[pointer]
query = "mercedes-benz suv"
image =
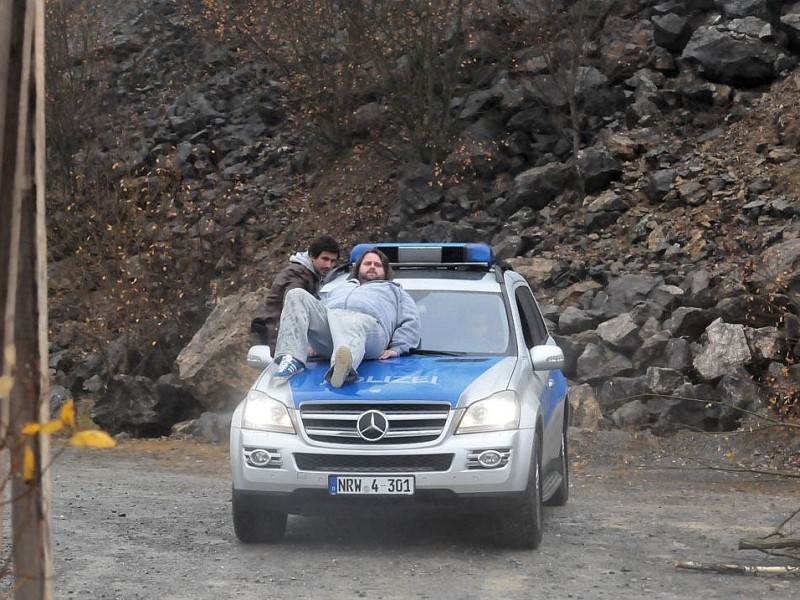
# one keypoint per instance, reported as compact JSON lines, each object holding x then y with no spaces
{"x":475,"y":418}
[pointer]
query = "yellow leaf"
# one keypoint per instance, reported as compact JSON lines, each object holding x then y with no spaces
{"x":67,"y":414}
{"x":92,"y":438}
{"x":28,"y":465}
{"x":31,"y":428}
{"x":6,"y":383}
{"x":52,"y":427}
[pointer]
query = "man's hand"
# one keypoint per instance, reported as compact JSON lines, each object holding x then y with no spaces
{"x":388,"y":353}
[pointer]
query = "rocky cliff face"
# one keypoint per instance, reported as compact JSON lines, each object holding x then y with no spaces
{"x":666,"y":251}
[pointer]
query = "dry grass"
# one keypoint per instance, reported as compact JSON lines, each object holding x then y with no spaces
{"x":178,"y":455}
{"x":160,"y":453}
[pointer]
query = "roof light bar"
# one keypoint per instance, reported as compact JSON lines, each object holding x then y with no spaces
{"x":429,"y":253}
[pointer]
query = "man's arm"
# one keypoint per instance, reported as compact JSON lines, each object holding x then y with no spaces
{"x":407,"y":333}
{"x":268,"y":313}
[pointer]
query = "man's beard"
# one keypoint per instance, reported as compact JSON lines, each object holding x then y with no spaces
{"x":370,"y":276}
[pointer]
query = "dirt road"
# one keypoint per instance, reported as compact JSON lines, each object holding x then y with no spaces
{"x":152,"y":520}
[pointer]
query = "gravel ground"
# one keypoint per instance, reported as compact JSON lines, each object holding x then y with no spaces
{"x":152,"y":520}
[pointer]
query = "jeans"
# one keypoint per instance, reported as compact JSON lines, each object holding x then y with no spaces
{"x":306,"y":322}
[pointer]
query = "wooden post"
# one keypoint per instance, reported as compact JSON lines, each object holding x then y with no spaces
{"x":5,"y":46}
{"x":23,"y":292}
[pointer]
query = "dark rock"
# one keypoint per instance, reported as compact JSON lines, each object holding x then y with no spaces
{"x":726,"y":58}
{"x":574,"y":320}
{"x":598,"y":362}
{"x":597,"y":168}
{"x":671,"y":31}
{"x":614,"y":392}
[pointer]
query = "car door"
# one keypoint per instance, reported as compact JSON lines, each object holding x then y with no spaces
{"x":549,"y":383}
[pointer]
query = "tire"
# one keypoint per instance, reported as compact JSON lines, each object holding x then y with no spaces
{"x":522,"y":528}
{"x":253,"y":524}
{"x":561,"y":495}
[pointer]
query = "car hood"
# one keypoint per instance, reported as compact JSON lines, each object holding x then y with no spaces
{"x":407,"y":378}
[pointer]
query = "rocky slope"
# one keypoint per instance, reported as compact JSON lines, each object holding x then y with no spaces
{"x":665,"y":252}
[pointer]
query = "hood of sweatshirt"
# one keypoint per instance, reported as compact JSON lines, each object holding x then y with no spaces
{"x":303,"y":258}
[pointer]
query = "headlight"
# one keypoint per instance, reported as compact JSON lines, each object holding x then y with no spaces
{"x":495,"y":413}
{"x":265,"y":414}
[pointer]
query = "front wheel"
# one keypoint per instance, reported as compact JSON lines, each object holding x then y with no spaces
{"x":521,"y":528}
{"x":254,"y":524}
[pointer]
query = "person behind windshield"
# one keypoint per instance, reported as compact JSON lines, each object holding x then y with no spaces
{"x":368,"y":316}
{"x":484,"y":332}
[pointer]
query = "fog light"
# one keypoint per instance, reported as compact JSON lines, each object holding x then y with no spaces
{"x":260,"y":458}
{"x":489,"y":459}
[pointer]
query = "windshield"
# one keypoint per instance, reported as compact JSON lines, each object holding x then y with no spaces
{"x":462,"y":322}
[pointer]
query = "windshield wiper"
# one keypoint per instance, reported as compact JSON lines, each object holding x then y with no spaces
{"x":426,"y":352}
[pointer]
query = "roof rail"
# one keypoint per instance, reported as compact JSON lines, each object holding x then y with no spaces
{"x":429,"y":254}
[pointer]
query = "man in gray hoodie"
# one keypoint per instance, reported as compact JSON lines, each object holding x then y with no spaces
{"x":305,"y":271}
{"x":369,"y":316}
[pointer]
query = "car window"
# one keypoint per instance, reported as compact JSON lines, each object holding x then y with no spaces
{"x":533,"y":325}
{"x":469,"y":322}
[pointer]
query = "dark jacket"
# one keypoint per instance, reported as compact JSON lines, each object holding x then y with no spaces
{"x":299,"y":273}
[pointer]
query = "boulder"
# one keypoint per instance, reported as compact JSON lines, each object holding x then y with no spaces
{"x":725,"y":57}
{"x":213,"y":364}
{"x":725,"y":351}
{"x":585,"y":409}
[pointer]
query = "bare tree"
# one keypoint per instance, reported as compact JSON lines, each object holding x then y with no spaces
{"x":23,"y":294}
{"x":73,"y":87}
{"x":564,"y":32}
{"x":418,"y":57}
{"x":411,"y":58}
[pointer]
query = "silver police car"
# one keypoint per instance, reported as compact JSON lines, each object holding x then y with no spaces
{"x":474,"y":419}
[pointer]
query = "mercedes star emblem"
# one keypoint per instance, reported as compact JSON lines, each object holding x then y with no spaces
{"x":372,"y":425}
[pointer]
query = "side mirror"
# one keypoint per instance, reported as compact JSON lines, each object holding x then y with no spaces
{"x":547,"y":357}
{"x":259,"y":357}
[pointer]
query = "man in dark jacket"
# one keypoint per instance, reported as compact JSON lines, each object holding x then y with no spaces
{"x":305,"y":270}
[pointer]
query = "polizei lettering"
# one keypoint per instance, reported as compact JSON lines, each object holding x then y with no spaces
{"x":412,"y":379}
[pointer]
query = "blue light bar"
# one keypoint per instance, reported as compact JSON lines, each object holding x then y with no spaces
{"x":429,"y":253}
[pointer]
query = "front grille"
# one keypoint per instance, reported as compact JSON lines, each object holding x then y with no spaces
{"x":341,"y":463}
{"x":407,"y":422}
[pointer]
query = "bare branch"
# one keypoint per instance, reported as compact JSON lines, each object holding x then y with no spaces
{"x":711,"y":465}
{"x":729,"y":569}
{"x":760,"y":416}
{"x":773,"y":542}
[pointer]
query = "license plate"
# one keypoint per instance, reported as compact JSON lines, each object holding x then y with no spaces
{"x":340,"y":485}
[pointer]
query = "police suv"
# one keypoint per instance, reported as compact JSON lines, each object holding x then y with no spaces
{"x":474,"y":418}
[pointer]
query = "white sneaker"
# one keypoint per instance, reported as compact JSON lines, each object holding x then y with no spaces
{"x":342,"y":365}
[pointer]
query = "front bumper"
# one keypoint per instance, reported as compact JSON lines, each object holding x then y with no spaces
{"x":445,"y":472}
